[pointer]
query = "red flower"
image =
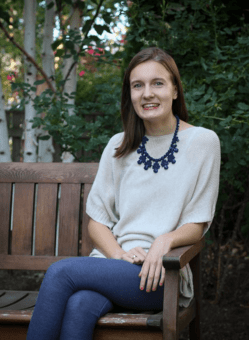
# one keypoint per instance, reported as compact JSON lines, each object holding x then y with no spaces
{"x":81,"y":74}
{"x":91,"y":51}
{"x":97,"y":54}
{"x":9,"y":77}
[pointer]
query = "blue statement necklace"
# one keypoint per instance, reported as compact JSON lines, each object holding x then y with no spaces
{"x":167,"y":158}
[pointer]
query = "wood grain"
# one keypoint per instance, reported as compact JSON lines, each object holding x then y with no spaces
{"x":48,"y":172}
{"x":45,"y":219}
{"x":177,"y":258}
{"x":23,"y":219}
{"x":171,"y":298}
{"x":13,"y":332}
{"x":69,"y":219}
{"x":27,"y":262}
{"x":86,"y":242}
{"x":5,"y":206}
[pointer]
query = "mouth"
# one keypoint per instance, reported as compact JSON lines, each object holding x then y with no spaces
{"x":152,"y":106}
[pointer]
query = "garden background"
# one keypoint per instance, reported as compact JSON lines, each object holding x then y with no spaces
{"x":61,"y":69}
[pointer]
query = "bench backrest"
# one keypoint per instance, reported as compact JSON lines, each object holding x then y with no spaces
{"x":42,"y":213}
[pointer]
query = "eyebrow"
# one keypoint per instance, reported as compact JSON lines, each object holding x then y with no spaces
{"x":136,"y":81}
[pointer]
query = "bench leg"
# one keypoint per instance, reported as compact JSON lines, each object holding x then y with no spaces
{"x":194,"y":326}
{"x":13,"y":332}
{"x":171,"y":305}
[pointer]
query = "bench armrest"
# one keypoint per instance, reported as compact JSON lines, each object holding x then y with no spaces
{"x":178,"y":258}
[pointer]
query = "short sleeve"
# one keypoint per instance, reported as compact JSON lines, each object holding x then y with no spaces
{"x":100,"y":204}
{"x":204,"y":156}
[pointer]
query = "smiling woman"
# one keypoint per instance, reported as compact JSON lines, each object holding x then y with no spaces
{"x":137,"y":213}
{"x":152,"y":95}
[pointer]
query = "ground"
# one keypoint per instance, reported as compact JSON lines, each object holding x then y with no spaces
{"x":227,"y":320}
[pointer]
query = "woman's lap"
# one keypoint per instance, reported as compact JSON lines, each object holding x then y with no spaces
{"x":116,"y":280}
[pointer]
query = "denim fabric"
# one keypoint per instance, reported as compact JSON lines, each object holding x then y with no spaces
{"x":76,"y":292}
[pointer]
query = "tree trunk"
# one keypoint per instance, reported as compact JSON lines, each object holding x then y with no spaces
{"x":70,"y":86}
{"x":4,"y":138}
{"x":30,"y":144}
{"x":45,"y":148}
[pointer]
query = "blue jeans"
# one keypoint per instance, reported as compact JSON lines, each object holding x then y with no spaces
{"x":76,"y":292}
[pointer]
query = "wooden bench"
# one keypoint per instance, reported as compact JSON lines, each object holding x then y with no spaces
{"x":43,"y":220}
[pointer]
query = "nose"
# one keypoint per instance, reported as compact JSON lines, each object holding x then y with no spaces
{"x":148,"y":93}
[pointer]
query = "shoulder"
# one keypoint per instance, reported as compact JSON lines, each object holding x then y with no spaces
{"x":203,"y":142}
{"x":116,"y":140}
{"x":112,"y":144}
{"x":203,"y":135}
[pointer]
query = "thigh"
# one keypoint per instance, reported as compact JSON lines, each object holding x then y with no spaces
{"x":117,"y":280}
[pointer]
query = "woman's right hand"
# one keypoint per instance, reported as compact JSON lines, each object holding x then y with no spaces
{"x":139,"y":257}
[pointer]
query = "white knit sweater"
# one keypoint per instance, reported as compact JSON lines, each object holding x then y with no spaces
{"x":139,"y":205}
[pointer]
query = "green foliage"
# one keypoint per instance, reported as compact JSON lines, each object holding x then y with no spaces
{"x":97,"y":95}
{"x":209,"y":42}
{"x":70,"y":131}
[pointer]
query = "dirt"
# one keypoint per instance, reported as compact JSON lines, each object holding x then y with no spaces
{"x":226,"y":320}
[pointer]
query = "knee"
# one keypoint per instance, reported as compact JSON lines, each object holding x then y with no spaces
{"x":78,"y":302}
{"x":57,"y":270}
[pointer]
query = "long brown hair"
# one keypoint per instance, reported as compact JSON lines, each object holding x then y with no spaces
{"x":133,"y":125}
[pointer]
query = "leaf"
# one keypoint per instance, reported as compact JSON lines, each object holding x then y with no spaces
{"x":47,"y":137}
{"x":243,"y":106}
{"x":87,"y":26}
{"x":50,"y":5}
{"x":107,"y":18}
{"x":228,"y":31}
{"x":107,"y":29}
{"x":99,"y":29}
{"x":56,"y":43}
{"x":69,"y":44}
{"x":59,"y":53}
{"x":39,"y":82}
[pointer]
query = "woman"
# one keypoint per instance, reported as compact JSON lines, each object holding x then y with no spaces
{"x":156,"y":189}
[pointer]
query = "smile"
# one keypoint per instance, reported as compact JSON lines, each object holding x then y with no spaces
{"x":150,"y":106}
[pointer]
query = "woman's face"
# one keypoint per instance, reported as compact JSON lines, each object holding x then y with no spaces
{"x":152,"y":93}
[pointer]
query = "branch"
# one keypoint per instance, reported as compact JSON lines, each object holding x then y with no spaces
{"x":90,"y":26}
{"x":39,"y":69}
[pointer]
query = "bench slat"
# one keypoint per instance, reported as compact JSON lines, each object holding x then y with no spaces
{"x":48,"y":172}
{"x":26,"y":262}
{"x":69,"y":219}
{"x":26,"y":302}
{"x":23,"y":219}
{"x":45,"y":219}
{"x":86,"y":242}
{"x":5,"y":203}
{"x":9,"y":297}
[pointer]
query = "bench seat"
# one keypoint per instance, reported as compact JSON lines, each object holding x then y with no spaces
{"x":16,"y":308}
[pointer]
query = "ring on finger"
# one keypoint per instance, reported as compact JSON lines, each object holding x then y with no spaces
{"x":134,"y":256}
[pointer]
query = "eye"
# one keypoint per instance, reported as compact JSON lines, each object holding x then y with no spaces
{"x":136,"y":86}
{"x":158,"y":83}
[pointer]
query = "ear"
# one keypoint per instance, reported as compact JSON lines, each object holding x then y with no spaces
{"x":175,"y":93}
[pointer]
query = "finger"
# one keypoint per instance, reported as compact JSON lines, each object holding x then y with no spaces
{"x":127,"y":258}
{"x":143,"y":274}
{"x":139,"y":258}
{"x":162,"y":276}
{"x":157,"y":276}
{"x":135,"y":255}
{"x":141,"y":251}
{"x":150,"y":277}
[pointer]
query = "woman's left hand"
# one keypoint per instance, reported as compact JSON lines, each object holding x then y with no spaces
{"x":152,"y":267}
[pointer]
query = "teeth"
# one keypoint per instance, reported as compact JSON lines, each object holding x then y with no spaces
{"x":150,"y":105}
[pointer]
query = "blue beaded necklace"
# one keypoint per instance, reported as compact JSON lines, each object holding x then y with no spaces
{"x":167,"y":158}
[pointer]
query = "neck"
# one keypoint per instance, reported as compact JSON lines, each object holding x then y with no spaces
{"x":152,"y":129}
